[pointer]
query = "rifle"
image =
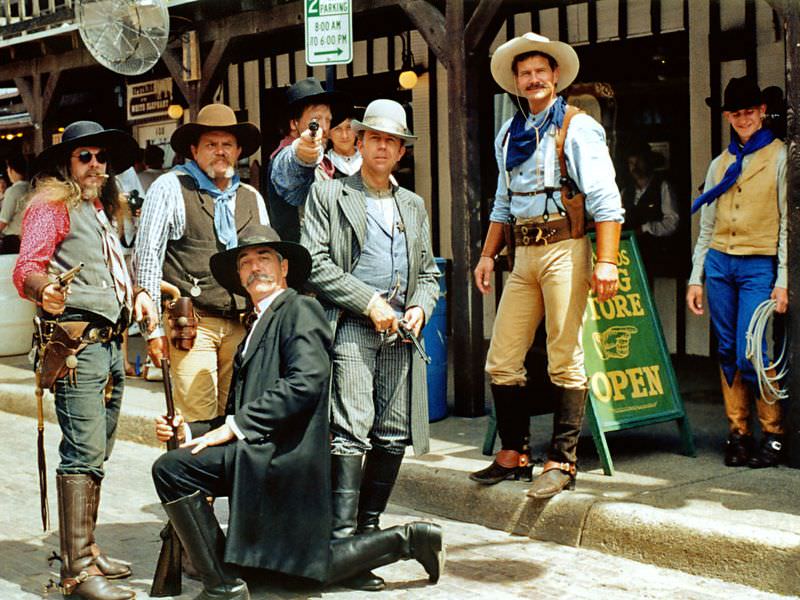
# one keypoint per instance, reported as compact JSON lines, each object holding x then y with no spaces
{"x":167,"y":578}
{"x":407,"y":333}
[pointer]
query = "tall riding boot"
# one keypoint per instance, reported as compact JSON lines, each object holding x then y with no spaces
{"x":201,"y":536}
{"x":380,"y":473}
{"x":111,"y":568}
{"x":770,"y":415}
{"x":80,"y":575}
{"x":736,"y":396}
{"x":513,"y":426}
{"x":345,"y":485}
{"x":419,"y":540}
{"x":559,"y":471}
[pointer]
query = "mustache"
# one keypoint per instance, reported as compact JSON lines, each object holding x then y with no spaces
{"x":536,"y":86}
{"x":259,"y":277}
{"x":229,"y":171}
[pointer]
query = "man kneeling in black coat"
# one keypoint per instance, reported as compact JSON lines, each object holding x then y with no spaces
{"x":268,"y":453}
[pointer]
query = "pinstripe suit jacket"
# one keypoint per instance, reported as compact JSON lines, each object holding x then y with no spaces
{"x":334,"y":230}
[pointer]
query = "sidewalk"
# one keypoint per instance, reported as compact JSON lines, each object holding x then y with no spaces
{"x":662,"y":508}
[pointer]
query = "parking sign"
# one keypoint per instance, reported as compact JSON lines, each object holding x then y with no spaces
{"x":329,"y":32}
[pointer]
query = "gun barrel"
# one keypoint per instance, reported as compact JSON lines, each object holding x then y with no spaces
{"x":409,"y":335}
{"x":173,"y":442}
{"x":67,"y":276}
{"x":313,"y":127}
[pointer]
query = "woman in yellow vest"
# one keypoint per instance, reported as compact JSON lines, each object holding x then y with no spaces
{"x":741,"y":250}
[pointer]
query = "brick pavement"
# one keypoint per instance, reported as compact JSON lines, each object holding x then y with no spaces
{"x":482,"y":563}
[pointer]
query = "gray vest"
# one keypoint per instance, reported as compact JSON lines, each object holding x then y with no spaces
{"x":383,"y":262}
{"x":186,"y":261}
{"x":93,"y":288}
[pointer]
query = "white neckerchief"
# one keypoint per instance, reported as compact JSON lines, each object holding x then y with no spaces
{"x":261,"y":308}
{"x":349,"y":165}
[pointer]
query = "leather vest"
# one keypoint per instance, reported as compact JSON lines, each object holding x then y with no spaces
{"x":186,"y":261}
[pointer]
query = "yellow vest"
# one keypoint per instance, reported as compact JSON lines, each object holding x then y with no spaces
{"x":747,"y":217}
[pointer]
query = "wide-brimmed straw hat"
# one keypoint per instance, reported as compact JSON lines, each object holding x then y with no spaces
{"x":225,"y":269}
{"x":216,"y":117}
{"x":386,"y":116}
{"x":503,"y":58}
{"x":120,"y":147}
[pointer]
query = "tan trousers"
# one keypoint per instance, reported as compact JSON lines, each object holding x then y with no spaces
{"x":737,"y":399}
{"x":550,"y":280}
{"x":201,"y":377}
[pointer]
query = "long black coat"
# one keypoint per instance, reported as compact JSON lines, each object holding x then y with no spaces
{"x":280,"y":502}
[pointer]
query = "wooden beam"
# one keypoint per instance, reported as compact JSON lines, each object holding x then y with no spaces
{"x":49,"y":92}
{"x":214,"y":67}
{"x":483,"y":25}
{"x":431,"y":25}
{"x":466,"y":303}
{"x":791,"y":14}
{"x":74,"y":59}
{"x":174,"y":64}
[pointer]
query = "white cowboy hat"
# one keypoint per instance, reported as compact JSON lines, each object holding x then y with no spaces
{"x":563,"y":54}
{"x":386,"y":116}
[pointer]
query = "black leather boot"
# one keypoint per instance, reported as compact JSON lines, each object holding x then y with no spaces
{"x":112,"y":569}
{"x":738,"y":448}
{"x":200,"y":534}
{"x":380,"y":473}
{"x":513,"y":461}
{"x":80,"y":574}
{"x":559,"y":471}
{"x":769,"y":454}
{"x":345,"y":486}
{"x":419,"y":540}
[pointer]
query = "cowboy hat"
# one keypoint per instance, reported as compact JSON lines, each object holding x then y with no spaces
{"x":386,"y":116}
{"x":741,"y":92}
{"x":565,"y":56}
{"x":309,"y":91}
{"x":225,"y":269}
{"x":120,"y":147}
{"x":216,"y":117}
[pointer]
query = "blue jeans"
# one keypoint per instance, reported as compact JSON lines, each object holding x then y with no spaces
{"x":736,"y":286}
{"x":89,"y":423}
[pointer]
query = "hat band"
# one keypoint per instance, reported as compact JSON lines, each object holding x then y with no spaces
{"x":385,"y":124}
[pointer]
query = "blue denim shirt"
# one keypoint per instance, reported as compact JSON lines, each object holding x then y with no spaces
{"x":291,"y":177}
{"x":588,"y":163}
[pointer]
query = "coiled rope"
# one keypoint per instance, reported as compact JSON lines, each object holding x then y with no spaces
{"x":768,"y":387}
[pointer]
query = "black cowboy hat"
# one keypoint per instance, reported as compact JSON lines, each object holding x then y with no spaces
{"x":120,"y":147}
{"x":309,"y":91}
{"x":741,"y":92}
{"x":216,"y":117}
{"x":224,"y":266}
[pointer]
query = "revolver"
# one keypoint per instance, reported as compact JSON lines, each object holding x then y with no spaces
{"x":406,"y":333}
{"x":66,"y":277}
{"x":313,"y":127}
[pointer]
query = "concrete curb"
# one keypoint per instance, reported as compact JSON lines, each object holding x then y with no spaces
{"x":760,"y":557}
{"x":755,"y":556}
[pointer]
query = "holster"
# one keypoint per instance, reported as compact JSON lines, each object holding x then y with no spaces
{"x":182,"y":320}
{"x":572,"y":198}
{"x":508,"y":235}
{"x":59,"y":355}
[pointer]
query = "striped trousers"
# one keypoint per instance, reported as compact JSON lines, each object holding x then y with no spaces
{"x":370,"y":396}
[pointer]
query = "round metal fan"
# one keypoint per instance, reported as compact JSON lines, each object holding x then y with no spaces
{"x":126,"y":36}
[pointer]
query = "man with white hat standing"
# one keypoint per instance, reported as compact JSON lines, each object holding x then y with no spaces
{"x":554,"y":168}
{"x":374,"y":273}
{"x":190,"y":214}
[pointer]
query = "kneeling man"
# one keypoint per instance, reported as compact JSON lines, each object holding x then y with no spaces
{"x":267,"y":453}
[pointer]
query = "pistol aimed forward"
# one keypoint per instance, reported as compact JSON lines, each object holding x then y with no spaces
{"x":407,"y":333}
{"x":313,"y":127}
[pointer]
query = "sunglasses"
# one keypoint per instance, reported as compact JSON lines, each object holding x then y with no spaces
{"x":86,"y":157}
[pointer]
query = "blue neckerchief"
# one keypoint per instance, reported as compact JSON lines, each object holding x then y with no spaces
{"x":522,"y":141}
{"x":224,"y":222}
{"x":761,"y":138}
